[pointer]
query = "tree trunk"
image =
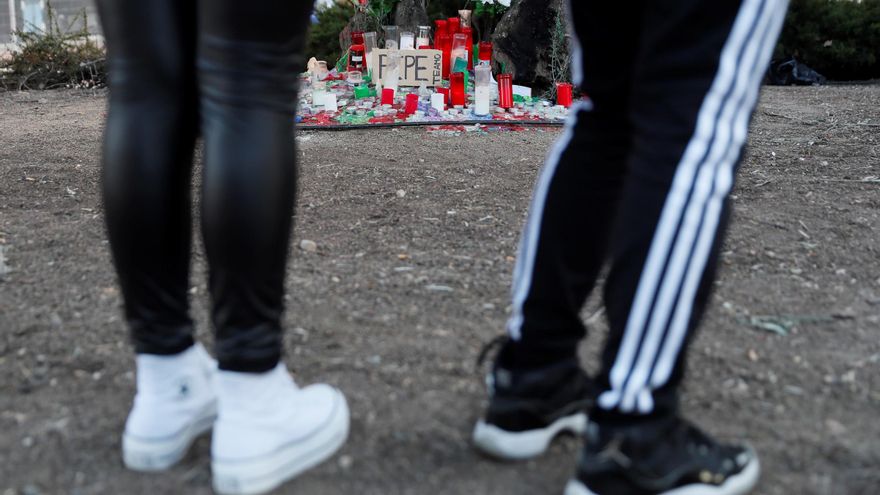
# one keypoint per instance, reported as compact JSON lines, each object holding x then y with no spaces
{"x":522,"y":40}
{"x":411,"y":14}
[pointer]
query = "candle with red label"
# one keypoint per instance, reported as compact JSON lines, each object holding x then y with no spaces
{"x":456,"y":89}
{"x":485,"y":52}
{"x":412,"y":103}
{"x":440,"y":27}
{"x":563,"y":94}
{"x":453,"y":25}
{"x":505,"y":90}
{"x":444,"y":43}
{"x":357,"y":37}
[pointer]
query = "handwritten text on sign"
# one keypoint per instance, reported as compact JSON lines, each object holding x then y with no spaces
{"x":416,"y":66}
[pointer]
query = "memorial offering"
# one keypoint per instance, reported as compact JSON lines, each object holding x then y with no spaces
{"x":447,"y":76}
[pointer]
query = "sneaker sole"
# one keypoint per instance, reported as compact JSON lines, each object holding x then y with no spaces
{"x":261,"y":475}
{"x":150,"y":455}
{"x":740,"y":484}
{"x":520,"y":445}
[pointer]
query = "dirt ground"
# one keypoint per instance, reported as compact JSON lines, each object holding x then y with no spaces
{"x":416,"y":233}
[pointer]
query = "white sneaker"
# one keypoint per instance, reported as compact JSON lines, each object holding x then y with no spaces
{"x":174,"y":404}
{"x":269,"y":430}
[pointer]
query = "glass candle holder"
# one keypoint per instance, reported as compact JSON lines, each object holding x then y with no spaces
{"x":321,"y":71}
{"x":407,"y":40}
{"x":564,"y":94}
{"x":470,"y":45}
{"x":392,"y":37}
{"x":357,"y":37}
{"x":505,"y":90}
{"x":391,"y":72}
{"x":444,"y":91}
{"x":456,"y":89}
{"x":355,"y":77}
{"x":482,"y":90}
{"x":459,"y":55}
{"x":369,"y":46}
{"x":356,"y":58}
{"x":424,"y":37}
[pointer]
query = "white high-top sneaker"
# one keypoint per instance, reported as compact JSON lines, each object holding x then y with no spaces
{"x":174,"y":404}
{"x":268,"y":430}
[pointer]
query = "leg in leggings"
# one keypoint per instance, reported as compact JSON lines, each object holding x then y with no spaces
{"x":152,"y":125}
{"x":248,"y":64}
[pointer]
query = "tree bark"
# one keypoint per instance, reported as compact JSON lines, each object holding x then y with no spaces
{"x":410,"y":14}
{"x":522,"y":40}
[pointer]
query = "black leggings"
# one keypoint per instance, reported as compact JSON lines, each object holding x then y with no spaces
{"x":225,"y":70}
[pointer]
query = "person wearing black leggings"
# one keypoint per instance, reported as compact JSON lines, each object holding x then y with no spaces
{"x":639,"y":181}
{"x":227,"y":71}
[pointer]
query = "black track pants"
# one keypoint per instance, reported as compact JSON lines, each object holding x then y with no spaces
{"x":225,"y":70}
{"x":641,"y":181}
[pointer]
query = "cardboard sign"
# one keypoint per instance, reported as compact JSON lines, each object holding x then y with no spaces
{"x":416,"y":66}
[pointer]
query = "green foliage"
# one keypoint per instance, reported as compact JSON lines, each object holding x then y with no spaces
{"x":560,"y":53}
{"x":838,"y":38}
{"x":55,"y":58}
{"x":441,"y":9}
{"x":323,"y":42}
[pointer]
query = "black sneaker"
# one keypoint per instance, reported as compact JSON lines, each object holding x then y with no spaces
{"x":527,"y":409}
{"x":674,"y":458}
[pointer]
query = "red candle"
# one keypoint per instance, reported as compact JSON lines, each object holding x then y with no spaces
{"x":505,"y":90}
{"x":357,"y":37}
{"x":440,"y":27}
{"x":563,"y":94}
{"x":485,"y":51}
{"x":453,"y":25}
{"x":412,"y":103}
{"x":387,"y":96}
{"x":444,"y":43}
{"x":470,"y":45}
{"x":456,"y":88}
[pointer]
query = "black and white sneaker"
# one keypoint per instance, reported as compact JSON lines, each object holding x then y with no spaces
{"x":527,"y":409}
{"x":675,"y":458}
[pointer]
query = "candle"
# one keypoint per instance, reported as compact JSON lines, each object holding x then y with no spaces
{"x":438,"y":101}
{"x":412,"y":103}
{"x":563,"y":94}
{"x":392,"y":38}
{"x":424,"y":38}
{"x":356,"y":58}
{"x":440,"y":27}
{"x":444,"y":43}
{"x":445,"y":92}
{"x":453,"y":25}
{"x":483,"y":90}
{"x":465,"y":18}
{"x":456,"y":88}
{"x":357,"y":37}
{"x":505,"y":90}
{"x":330,"y":102}
{"x":407,"y":40}
{"x":485,"y":52}
{"x":355,"y":77}
{"x":387,"y":96}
